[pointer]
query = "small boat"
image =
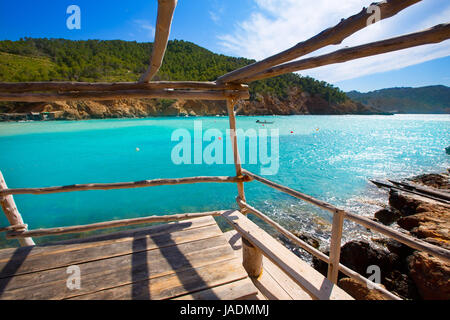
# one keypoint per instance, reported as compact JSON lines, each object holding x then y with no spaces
{"x":264,"y":122}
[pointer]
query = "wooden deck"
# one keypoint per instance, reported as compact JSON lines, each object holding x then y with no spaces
{"x":186,"y":260}
{"x":285,"y":276}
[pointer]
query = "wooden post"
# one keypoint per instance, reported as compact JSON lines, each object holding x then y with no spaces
{"x":251,"y":259}
{"x":237,"y":158}
{"x":12,"y":214}
{"x":335,"y":246}
{"x":251,"y":256}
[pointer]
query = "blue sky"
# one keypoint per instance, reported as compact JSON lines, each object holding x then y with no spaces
{"x":250,"y":28}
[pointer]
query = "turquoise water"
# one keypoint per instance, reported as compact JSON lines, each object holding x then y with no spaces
{"x":329,"y":157}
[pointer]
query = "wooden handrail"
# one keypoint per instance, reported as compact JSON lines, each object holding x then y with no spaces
{"x":318,"y":254}
{"x":109,"y":224}
{"x":436,"y":34}
{"x":410,"y":241}
{"x":334,"y":35}
{"x":123,"y":185}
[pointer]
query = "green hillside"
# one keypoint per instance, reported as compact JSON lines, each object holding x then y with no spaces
{"x":95,"y":60}
{"x":431,"y":99}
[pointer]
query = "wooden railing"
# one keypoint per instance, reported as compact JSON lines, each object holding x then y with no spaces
{"x":336,"y":234}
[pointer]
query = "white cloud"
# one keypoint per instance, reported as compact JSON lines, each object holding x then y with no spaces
{"x":146,"y":27}
{"x":280,"y":24}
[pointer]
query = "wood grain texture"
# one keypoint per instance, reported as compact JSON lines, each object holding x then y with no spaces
{"x":21,"y":253}
{"x":107,"y":225}
{"x":122,"y":185}
{"x":238,"y":290}
{"x":166,"y":9}
{"x":318,"y":254}
{"x":335,"y":247}
{"x":11,"y":212}
{"x":83,"y":254}
{"x":118,"y":271}
{"x":175,"y":284}
{"x":160,"y":262}
{"x":436,"y":34}
{"x":298,"y":270}
{"x":334,"y":35}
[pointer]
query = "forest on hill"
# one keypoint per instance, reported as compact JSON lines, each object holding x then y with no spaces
{"x":32,"y":59}
{"x":430,"y":99}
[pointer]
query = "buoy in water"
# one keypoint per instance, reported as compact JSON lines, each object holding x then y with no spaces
{"x":137,"y":149}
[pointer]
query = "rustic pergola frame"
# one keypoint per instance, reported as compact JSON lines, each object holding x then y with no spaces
{"x":230,"y":87}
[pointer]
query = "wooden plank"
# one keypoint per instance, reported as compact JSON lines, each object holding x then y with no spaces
{"x":13,"y":215}
{"x":304,"y":275}
{"x":334,"y":35}
{"x":273,"y":283}
{"x":11,"y":254}
{"x":238,"y":290}
{"x":108,"y":225}
{"x":436,"y":34}
{"x":284,"y":281}
{"x":174,"y":285}
{"x":121,"y":271}
{"x":81,"y":255}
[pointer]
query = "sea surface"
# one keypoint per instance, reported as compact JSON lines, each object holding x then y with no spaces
{"x":328,"y":157}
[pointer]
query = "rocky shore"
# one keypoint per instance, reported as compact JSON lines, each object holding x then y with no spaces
{"x":409,"y":273}
{"x":296,"y":103}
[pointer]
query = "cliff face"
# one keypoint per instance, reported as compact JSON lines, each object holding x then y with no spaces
{"x":296,"y":103}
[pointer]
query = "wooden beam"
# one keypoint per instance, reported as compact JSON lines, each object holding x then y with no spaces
{"x":334,"y":35}
{"x":335,"y":246}
{"x":436,"y":34}
{"x":237,"y":158}
{"x":125,"y":94}
{"x":61,"y":86}
{"x":11,"y":212}
{"x":121,"y":185}
{"x":166,"y":9}
{"x":109,"y":224}
{"x":297,"y":194}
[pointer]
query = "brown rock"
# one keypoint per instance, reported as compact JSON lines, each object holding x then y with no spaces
{"x":438,"y":181}
{"x":404,"y":204}
{"x":387,"y":217}
{"x":359,"y":290}
{"x":431,"y":276}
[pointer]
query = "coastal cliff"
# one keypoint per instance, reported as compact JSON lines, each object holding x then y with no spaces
{"x":296,"y":103}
